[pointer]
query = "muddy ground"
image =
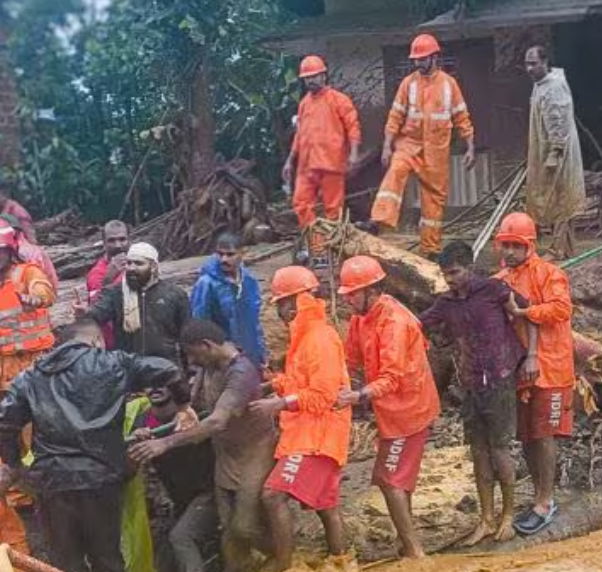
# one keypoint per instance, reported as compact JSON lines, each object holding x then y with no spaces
{"x":445,"y":503}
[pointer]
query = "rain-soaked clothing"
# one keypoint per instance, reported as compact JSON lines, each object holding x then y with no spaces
{"x":75,"y":396}
{"x":235,"y":306}
{"x":327,"y":125}
{"x":422,"y":116}
{"x":34,"y":333}
{"x":398,"y":461}
{"x":547,"y":289}
{"x":555,"y":188}
{"x":136,"y":539}
{"x":315,"y":372}
{"x":388,"y":344}
{"x":545,"y":413}
{"x":489,"y":349}
{"x":313,"y":480}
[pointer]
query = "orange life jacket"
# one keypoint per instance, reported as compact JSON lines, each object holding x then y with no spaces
{"x":20,"y":330}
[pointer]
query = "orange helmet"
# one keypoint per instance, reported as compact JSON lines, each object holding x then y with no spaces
{"x":359,"y":272}
{"x":8,"y":237}
{"x":423,"y":46}
{"x":311,"y":65}
{"x":292,"y":280}
{"x":517,"y":227}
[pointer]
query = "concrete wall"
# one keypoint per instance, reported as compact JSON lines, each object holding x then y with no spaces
{"x":9,"y":124}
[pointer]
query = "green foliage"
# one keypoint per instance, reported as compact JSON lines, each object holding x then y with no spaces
{"x":110,"y":80}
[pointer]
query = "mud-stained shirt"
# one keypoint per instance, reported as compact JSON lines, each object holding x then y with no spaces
{"x":247,"y":444}
{"x":489,"y":348}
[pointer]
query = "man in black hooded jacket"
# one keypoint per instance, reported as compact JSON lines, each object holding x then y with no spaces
{"x":75,"y":397}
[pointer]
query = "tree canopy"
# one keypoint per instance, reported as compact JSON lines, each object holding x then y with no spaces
{"x":147,"y":82}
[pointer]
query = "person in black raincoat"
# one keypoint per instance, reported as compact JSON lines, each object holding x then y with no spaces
{"x":75,"y":397}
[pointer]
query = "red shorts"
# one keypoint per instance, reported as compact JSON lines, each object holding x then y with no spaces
{"x":545,"y":413}
{"x":398,"y":461}
{"x":313,"y":480}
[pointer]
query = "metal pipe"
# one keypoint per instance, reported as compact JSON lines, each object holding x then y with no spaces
{"x":499,"y":212}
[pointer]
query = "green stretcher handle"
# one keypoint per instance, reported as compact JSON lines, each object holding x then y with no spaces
{"x":156,"y":432}
{"x":581,"y":258}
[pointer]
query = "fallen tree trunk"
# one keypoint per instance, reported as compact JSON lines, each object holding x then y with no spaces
{"x":416,"y":281}
{"x":411,"y":278}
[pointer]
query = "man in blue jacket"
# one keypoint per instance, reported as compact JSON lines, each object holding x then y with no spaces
{"x":229,"y":295}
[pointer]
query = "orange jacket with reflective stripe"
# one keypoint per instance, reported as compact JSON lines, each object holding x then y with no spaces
{"x":21,"y":330}
{"x":315,"y":372}
{"x":389,"y":345}
{"x":424,"y":111}
{"x":547,"y":289}
{"x":327,"y":123}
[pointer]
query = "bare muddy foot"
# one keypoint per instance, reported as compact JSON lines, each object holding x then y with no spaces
{"x":484,"y":529}
{"x":505,"y":531}
{"x":412,"y":552}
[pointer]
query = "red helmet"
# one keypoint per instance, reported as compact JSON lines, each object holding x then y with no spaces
{"x":517,"y":227}
{"x":423,"y":46}
{"x":8,"y":237}
{"x":311,"y":65}
{"x":292,"y":280}
{"x":360,"y":272}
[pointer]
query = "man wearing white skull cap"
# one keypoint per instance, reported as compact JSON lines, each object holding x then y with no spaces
{"x":148,"y":312}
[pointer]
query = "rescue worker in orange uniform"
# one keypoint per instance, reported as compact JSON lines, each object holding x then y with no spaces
{"x":427,"y":106}
{"x":25,"y":295}
{"x":385,"y":340}
{"x":314,"y":436}
{"x":545,"y":407}
{"x":12,"y":531}
{"x":326,"y":144}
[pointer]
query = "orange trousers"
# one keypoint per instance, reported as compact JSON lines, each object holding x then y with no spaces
{"x":434,"y":187}
{"x":305,"y":198}
{"x":12,"y":531}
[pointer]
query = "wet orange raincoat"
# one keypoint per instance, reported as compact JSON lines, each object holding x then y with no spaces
{"x":327,"y":124}
{"x":315,"y":372}
{"x":422,"y":116}
{"x":547,"y":289}
{"x":19,"y":353}
{"x":389,"y":345}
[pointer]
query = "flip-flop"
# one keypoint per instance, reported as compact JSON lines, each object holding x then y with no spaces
{"x":533,"y":522}
{"x":523,"y":514}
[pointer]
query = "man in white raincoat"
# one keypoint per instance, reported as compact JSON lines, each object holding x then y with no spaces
{"x":555,"y":184}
